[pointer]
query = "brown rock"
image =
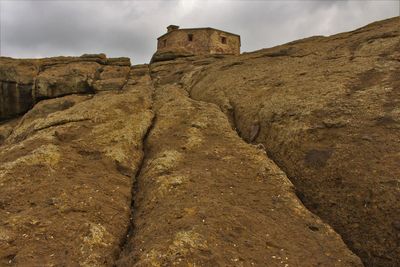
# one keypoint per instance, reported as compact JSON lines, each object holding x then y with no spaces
{"x":6,"y":128}
{"x":66,"y":176}
{"x":66,"y":79}
{"x":340,"y":89}
{"x":111,"y":78}
{"x":23,"y":82}
{"x":209,"y":199}
{"x":16,"y":85}
{"x":170,"y":54}
{"x":119,"y":61}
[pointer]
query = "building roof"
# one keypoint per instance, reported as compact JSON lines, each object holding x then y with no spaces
{"x":194,"y":29}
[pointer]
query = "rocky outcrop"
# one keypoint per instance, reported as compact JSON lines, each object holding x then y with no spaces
{"x":65,"y":79}
{"x":71,"y":167}
{"x":25,"y":82}
{"x":327,"y":111}
{"x":6,"y":129}
{"x":170,"y":54}
{"x":66,"y":173}
{"x":111,"y":78}
{"x":17,"y":79}
{"x":206,"y":198}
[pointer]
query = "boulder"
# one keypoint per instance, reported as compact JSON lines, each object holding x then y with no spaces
{"x":112,"y":77}
{"x":64,"y":79}
{"x":119,"y":61}
{"x":170,"y":54}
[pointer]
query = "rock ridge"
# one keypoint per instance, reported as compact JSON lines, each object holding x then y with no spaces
{"x":25,"y":82}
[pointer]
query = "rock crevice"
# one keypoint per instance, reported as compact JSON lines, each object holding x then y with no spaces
{"x":78,"y":177}
{"x":193,"y":207}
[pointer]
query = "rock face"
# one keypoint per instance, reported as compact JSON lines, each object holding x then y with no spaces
{"x":221,"y":201}
{"x":170,"y":54}
{"x":66,"y":173}
{"x":327,"y":112}
{"x":17,"y":78}
{"x":187,"y":161}
{"x":25,"y":82}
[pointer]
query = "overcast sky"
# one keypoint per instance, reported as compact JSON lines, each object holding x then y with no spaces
{"x":129,"y":28}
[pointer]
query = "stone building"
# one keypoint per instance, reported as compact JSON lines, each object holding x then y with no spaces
{"x":199,"y":41}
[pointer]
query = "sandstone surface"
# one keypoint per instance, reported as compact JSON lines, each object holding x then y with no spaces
{"x":170,"y":54}
{"x":25,"y":82}
{"x":66,"y":177}
{"x":327,"y":110}
{"x":207,"y":198}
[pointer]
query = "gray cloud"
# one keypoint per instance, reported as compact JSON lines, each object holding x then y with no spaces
{"x":129,"y":28}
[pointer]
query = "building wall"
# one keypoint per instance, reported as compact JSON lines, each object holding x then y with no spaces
{"x":179,"y":38}
{"x":232,"y":45}
{"x":205,"y":41}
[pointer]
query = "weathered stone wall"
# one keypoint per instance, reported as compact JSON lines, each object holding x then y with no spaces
{"x":179,"y":38}
{"x":205,"y":41}
{"x":232,"y":45}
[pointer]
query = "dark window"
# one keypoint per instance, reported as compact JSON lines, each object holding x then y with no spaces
{"x":190,"y":37}
{"x":165,"y":43}
{"x":223,"y":40}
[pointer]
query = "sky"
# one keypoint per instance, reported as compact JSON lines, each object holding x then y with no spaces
{"x":31,"y":29}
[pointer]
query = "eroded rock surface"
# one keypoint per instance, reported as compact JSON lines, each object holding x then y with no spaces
{"x":17,"y":79}
{"x":170,"y":54}
{"x":327,"y":111}
{"x":206,"y":198}
{"x":66,"y":177}
{"x":24,"y":82}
